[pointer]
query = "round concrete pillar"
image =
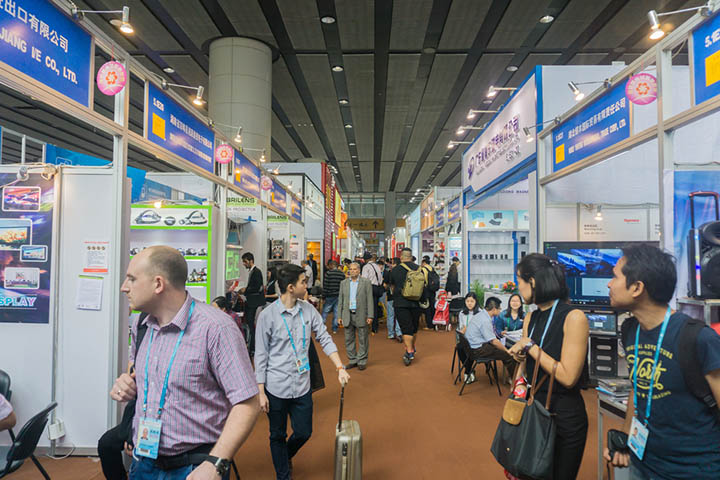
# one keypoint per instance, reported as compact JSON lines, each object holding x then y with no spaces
{"x":241,"y":91}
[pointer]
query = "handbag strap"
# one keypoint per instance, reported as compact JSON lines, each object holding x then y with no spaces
{"x":550,"y":388}
{"x":534,"y":385}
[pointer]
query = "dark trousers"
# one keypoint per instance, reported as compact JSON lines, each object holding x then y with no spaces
{"x":571,"y":423}
{"x":300,"y":411}
{"x":430,"y":311}
{"x":249,"y":320}
{"x":488,"y":350}
{"x":376,"y":313}
{"x":110,"y":451}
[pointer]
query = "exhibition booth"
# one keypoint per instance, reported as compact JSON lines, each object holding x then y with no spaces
{"x":92,"y":172}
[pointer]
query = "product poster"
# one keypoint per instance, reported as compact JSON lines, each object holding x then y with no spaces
{"x":26,"y":224}
{"x":492,"y":219}
{"x":523,"y":222}
{"x":96,"y":256}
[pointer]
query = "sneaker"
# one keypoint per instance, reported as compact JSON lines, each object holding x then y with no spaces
{"x":334,"y":332}
{"x":407,"y":359}
{"x":469,"y":378}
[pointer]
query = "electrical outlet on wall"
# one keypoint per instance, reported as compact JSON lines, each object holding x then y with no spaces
{"x":56,"y":430}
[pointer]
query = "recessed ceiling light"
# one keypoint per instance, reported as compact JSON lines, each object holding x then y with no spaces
{"x":347,"y":125}
{"x":547,"y":19}
{"x":327,"y":19}
{"x":169,"y":70}
{"x":343,"y":101}
{"x":337,"y":68}
{"x":487,"y":101}
{"x":512,"y":68}
{"x":428,"y":50}
{"x":351,"y":144}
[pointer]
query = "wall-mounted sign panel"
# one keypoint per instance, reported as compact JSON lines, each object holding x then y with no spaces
{"x":338,"y":209}
{"x":314,"y":199}
{"x":43,"y":43}
{"x":502,"y":145}
{"x":623,"y":224}
{"x":603,"y":123}
{"x":491,"y":219}
{"x":414,"y":221}
{"x":706,"y":59}
{"x":170,"y":126}
{"x":247,"y":175}
{"x":278,"y":197}
{"x":366,"y":224}
{"x":453,"y":210}
{"x":295,"y":209}
{"x":440,"y":218}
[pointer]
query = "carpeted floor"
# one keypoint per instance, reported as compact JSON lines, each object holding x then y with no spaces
{"x":414,"y":424}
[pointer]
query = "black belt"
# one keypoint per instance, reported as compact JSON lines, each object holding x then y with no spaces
{"x":196,"y":456}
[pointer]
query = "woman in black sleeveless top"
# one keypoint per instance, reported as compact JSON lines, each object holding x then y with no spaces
{"x":541,"y":281}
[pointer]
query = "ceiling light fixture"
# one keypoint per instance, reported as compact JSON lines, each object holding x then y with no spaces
{"x":547,"y":19}
{"x":169,"y":70}
{"x":654,"y":18}
{"x":343,"y":101}
{"x":347,"y":125}
{"x":337,"y":68}
{"x":471,"y":113}
{"x":123,"y":24}
{"x":529,"y":138}
{"x":327,"y":19}
{"x":512,"y":68}
{"x":580,"y":95}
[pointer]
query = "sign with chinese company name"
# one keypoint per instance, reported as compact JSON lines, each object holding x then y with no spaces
{"x":247,"y":175}
{"x":224,"y":153}
{"x":502,"y":145}
{"x":278,"y":197}
{"x":641,"y":89}
{"x":295,"y":209}
{"x":440,"y":218}
{"x":603,"y":123}
{"x":170,"y":126}
{"x":706,"y":59}
{"x":40,"y":41}
{"x":453,"y":210}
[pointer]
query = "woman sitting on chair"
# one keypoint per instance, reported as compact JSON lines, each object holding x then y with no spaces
{"x":509,"y":323}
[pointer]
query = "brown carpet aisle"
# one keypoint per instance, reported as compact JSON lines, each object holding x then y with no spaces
{"x":413,"y":422}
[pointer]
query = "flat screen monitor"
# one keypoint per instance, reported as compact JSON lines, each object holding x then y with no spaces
{"x":588,"y":267}
{"x":602,"y":322}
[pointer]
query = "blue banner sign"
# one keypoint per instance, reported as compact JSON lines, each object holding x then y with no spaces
{"x":706,"y":60}
{"x":440,"y":217}
{"x":453,"y":210}
{"x":247,"y":175}
{"x":295,"y":209}
{"x":603,"y":123}
{"x":278,"y":197}
{"x":38,"y":40}
{"x":175,"y":129}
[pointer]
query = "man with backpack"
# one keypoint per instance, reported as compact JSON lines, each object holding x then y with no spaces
{"x":432,"y":281}
{"x":408,"y":284}
{"x":672,"y":415}
{"x":373,"y":272}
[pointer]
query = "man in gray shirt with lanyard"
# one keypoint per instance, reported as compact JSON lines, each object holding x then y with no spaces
{"x":282,"y":369}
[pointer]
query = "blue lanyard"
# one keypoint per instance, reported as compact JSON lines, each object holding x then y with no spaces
{"x":547,"y":325}
{"x":292,"y":342}
{"x":163,"y":394}
{"x":655,"y":365}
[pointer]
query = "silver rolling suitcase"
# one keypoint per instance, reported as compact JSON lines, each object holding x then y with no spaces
{"x":348,"y":447}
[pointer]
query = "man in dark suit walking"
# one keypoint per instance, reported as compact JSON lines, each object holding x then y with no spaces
{"x":254,"y":295}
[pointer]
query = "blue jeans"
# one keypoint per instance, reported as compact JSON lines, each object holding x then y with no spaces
{"x":331,"y":305}
{"x":144,"y":469}
{"x":300,"y":411}
{"x":392,"y":326}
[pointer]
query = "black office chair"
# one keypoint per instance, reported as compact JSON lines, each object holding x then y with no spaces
{"x":490,"y":364}
{"x":7,"y":393}
{"x":24,"y":445}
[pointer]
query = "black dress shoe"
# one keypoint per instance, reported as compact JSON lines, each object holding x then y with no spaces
{"x":350,"y":365}
{"x":362,"y":367}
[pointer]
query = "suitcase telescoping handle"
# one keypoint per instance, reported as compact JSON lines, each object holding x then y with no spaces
{"x":342,"y":402}
{"x":692,"y":196}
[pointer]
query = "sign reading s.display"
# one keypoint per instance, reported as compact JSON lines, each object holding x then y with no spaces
{"x":501,"y":146}
{"x":706,"y":59}
{"x":278,"y":197}
{"x":603,"y":123}
{"x":247,"y":175}
{"x":175,"y":129}
{"x":38,"y":40}
{"x":453,"y":210}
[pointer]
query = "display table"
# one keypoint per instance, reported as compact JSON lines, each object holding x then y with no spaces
{"x":693,"y":305}
{"x":608,"y":406}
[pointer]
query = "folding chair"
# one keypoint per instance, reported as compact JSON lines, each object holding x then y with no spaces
{"x":24,"y":444}
{"x":490,"y":364}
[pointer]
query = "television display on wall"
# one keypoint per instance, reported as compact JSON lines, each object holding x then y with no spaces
{"x":588,"y":267}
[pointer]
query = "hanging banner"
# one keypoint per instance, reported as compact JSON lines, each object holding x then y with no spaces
{"x":111,"y":78}
{"x":328,"y":186}
{"x":295,"y":209}
{"x":453,"y":210}
{"x":170,"y":126}
{"x":247,"y":175}
{"x":603,"y":123}
{"x":40,"y":41}
{"x":338,"y":208}
{"x":26,"y":225}
{"x":491,"y":219}
{"x":224,"y":153}
{"x":501,"y":146}
{"x":440,"y":218}
{"x":641,"y":89}
{"x":414,"y":221}
{"x":278,"y":197}
{"x":706,"y":60}
{"x":241,"y":209}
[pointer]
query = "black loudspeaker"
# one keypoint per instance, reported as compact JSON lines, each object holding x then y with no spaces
{"x":704,"y":252}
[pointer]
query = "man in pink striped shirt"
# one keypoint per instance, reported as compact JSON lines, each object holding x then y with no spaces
{"x":195,"y":387}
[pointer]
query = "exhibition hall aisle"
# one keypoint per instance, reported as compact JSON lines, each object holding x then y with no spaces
{"x":414,"y":424}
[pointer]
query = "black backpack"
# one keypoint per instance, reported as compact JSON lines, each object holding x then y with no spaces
{"x":687,"y":358}
{"x":433,"y":280}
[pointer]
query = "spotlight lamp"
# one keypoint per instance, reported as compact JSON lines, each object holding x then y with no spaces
{"x":471,"y":113}
{"x":262,"y":157}
{"x":454,"y":143}
{"x":599,"y":214}
{"x":529,"y":137}
{"x":199,"y":90}
{"x":656,"y":31}
{"x":198,"y":100}
{"x":573,"y":86}
{"x":123,"y":24}
{"x":238,"y":134}
{"x":493,"y":91}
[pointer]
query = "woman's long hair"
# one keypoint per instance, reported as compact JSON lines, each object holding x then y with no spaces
{"x":521,"y":311}
{"x":477,"y":304}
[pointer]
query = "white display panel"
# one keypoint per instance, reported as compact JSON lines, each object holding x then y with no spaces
{"x":621,"y":224}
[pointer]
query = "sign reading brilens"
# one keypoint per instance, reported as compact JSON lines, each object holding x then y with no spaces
{"x":40,"y":41}
{"x":111,"y":78}
{"x":247,"y":175}
{"x":170,"y":126}
{"x":601,"y":124}
{"x":453,"y":210}
{"x":706,"y":59}
{"x":224,"y":153}
{"x":641,"y":89}
{"x":502,"y":145}
{"x":278,"y":197}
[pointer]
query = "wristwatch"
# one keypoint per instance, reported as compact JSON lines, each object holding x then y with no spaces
{"x":222,"y":466}
{"x":527,"y":347}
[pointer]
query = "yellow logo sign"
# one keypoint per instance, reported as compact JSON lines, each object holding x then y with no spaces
{"x":158,"y":126}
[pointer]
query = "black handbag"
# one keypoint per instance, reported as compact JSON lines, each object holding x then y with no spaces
{"x":317,"y":381}
{"x":524,"y":442}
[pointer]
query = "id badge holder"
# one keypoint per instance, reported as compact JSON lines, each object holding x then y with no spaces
{"x":148,"y":438}
{"x":303,"y":364}
{"x":638,"y":438}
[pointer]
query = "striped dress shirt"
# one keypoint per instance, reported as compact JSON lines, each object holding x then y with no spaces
{"x":211,"y":373}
